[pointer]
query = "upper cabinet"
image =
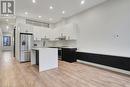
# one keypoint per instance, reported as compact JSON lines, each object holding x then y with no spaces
{"x":41,"y":32}
{"x":69,"y":31}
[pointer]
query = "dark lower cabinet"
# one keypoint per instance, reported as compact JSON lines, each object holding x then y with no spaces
{"x":59,"y":53}
{"x":37,"y":57}
{"x":69,"y":54}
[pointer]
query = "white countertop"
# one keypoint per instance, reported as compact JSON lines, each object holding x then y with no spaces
{"x":69,"y":47}
{"x":43,"y":48}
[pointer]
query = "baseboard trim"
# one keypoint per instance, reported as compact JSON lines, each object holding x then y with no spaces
{"x":105,"y":67}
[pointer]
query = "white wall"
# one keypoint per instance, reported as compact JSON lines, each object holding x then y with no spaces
{"x":99,"y":27}
{"x":0,"y":40}
{"x":8,"y":48}
{"x":7,"y":32}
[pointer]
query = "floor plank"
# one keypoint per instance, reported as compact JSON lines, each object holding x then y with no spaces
{"x":15,"y":74}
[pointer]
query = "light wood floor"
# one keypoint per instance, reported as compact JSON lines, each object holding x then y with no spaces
{"x":15,"y":74}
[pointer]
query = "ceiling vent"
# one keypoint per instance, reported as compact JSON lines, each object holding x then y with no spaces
{"x":37,"y":23}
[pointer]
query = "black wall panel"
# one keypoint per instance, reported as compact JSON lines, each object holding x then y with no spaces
{"x":108,"y":60}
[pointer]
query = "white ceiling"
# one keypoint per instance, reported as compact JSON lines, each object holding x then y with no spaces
{"x":41,"y":8}
{"x":7,"y":20}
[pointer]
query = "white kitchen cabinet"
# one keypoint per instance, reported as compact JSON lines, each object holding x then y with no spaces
{"x":68,"y":30}
{"x":55,"y":33}
{"x":41,"y":32}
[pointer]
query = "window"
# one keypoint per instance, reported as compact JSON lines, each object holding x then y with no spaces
{"x":6,"y":41}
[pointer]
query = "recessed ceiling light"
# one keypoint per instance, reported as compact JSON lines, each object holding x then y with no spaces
{"x":33,"y":1}
{"x":82,"y":2}
{"x":26,"y":13}
{"x":50,"y":19}
{"x":63,"y":12}
{"x":7,"y":27}
{"x":51,"y":7}
{"x":39,"y":16}
{"x":7,"y":19}
{"x":7,"y":15}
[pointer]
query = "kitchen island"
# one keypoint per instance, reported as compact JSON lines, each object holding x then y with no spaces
{"x":45,"y":58}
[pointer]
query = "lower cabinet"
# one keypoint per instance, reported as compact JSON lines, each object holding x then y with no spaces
{"x":37,"y":57}
{"x":59,"y":54}
{"x":69,"y":54}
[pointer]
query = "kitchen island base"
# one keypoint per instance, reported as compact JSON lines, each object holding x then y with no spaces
{"x":48,"y":58}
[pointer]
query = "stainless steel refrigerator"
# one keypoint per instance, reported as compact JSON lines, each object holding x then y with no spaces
{"x":25,"y":47}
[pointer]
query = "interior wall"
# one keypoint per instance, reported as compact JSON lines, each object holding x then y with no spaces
{"x":0,"y":40}
{"x":6,"y":32}
{"x":8,"y":48}
{"x":104,"y":29}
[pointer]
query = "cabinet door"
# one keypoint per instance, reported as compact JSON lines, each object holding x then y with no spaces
{"x":69,"y":31}
{"x":47,"y":33}
{"x":55,"y":33}
{"x":40,"y":32}
{"x":69,"y":55}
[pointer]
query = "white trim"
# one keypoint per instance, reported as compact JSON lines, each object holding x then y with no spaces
{"x":105,"y":67}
